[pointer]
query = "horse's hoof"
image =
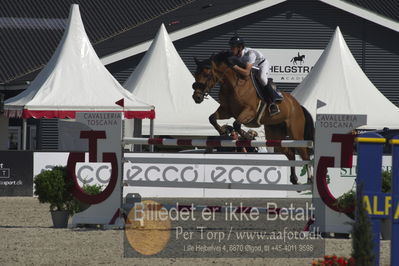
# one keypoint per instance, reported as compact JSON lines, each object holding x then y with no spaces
{"x":223,"y":133}
{"x":294,"y":181}
{"x":310,"y":181}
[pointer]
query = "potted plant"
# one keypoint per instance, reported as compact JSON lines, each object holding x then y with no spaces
{"x":346,"y":203}
{"x":79,"y":206}
{"x":51,"y":186}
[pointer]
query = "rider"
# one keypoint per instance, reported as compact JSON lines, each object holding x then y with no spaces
{"x":253,"y":58}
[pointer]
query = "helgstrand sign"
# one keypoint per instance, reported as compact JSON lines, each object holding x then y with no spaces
{"x":290,"y":65}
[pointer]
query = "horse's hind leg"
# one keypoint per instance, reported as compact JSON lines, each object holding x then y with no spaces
{"x":280,"y":132}
{"x":291,"y":156}
{"x":296,"y":132}
{"x":290,"y":153}
{"x":303,"y":152}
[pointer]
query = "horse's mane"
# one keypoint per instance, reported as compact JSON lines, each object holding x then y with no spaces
{"x":222,"y":57}
{"x":219,"y":58}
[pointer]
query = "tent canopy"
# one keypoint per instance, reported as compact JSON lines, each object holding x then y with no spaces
{"x":75,"y":80}
{"x":163,"y":80}
{"x":338,"y":81}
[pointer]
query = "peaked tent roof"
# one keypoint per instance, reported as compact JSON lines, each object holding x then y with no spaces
{"x":338,"y":81}
{"x":75,"y":80}
{"x":162,"y":79}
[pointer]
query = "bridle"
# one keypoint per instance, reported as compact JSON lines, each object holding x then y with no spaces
{"x":203,"y":88}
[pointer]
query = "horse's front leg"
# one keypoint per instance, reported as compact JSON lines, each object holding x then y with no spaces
{"x":221,"y":113}
{"x":242,"y":132}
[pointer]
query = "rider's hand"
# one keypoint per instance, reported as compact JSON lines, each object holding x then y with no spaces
{"x":231,"y":61}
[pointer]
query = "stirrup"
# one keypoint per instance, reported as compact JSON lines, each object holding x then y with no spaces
{"x":275,"y":110}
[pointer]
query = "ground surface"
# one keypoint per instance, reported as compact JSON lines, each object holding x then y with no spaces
{"x":27,"y":237}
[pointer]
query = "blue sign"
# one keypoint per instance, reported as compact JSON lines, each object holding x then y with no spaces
{"x":379,"y":205}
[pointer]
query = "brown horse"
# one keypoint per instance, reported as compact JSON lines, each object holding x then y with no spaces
{"x":238,"y":99}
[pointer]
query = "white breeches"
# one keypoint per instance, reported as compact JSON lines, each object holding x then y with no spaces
{"x":263,"y":73}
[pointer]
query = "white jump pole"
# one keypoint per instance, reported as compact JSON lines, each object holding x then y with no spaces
{"x":220,"y":143}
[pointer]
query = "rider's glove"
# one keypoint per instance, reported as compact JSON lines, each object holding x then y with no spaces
{"x":231,"y":61}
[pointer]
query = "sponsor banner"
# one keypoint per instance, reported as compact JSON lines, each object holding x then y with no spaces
{"x":222,"y":168}
{"x":91,"y":173}
{"x":290,"y":65}
{"x":340,"y":180}
{"x":102,"y":166}
{"x":167,"y":168}
{"x":16,"y":169}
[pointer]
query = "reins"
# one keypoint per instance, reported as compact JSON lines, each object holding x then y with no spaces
{"x":211,"y":76}
{"x":222,"y":76}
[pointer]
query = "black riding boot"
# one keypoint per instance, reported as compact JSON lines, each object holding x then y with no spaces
{"x":279,"y":96}
{"x":273,"y":96}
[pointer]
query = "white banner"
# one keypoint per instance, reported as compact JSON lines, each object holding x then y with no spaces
{"x":167,"y":168}
{"x":212,"y":168}
{"x":340,"y":180}
{"x":290,"y":65}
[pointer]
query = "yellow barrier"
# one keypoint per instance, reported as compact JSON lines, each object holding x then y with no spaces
{"x":372,"y":140}
{"x":394,"y":141}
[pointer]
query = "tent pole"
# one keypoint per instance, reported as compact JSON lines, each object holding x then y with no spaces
{"x":152,"y":134}
{"x":24,"y":130}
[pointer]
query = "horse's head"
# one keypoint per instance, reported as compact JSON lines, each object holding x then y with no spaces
{"x":204,"y":79}
{"x":208,"y":73}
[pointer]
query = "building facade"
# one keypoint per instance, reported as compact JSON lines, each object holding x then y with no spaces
{"x":200,"y":28}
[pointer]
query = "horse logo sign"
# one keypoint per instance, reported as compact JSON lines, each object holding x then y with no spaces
{"x":300,"y":58}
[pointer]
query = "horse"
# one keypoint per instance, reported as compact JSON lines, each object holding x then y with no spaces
{"x":238,"y":98}
{"x":299,"y":58}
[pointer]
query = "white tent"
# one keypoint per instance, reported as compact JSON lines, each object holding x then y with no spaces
{"x":338,"y":81}
{"x":163,"y":80}
{"x":74,"y":80}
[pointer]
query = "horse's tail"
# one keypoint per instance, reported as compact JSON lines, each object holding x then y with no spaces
{"x":309,"y":125}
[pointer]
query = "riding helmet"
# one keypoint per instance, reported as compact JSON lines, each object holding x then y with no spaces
{"x":236,"y":41}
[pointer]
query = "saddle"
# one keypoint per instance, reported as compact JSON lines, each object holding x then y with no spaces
{"x":263,"y":94}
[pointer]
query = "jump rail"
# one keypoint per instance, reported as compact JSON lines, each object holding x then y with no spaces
{"x":209,"y":185}
{"x":226,"y":161}
{"x":219,"y":143}
{"x":216,"y":161}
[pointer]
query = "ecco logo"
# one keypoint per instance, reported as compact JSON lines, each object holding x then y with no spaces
{"x":239,"y":175}
{"x":218,"y":174}
{"x":87,"y":173}
{"x":168,"y":174}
